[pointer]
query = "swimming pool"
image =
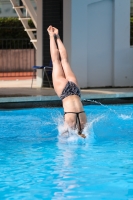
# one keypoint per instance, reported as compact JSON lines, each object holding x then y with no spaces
{"x":35,"y":163}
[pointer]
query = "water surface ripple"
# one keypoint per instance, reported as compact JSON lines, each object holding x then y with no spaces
{"x":36,"y":164}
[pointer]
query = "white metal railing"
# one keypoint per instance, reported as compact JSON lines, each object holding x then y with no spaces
{"x":24,"y":18}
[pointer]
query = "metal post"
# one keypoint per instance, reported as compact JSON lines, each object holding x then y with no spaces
{"x":39,"y":58}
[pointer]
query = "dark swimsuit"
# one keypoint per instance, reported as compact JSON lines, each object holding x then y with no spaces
{"x":72,"y":89}
{"x":77,"y":120}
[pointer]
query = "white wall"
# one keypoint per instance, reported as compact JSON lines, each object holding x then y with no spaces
{"x":123,"y":53}
{"x":67,"y":26}
{"x":100,"y":43}
{"x":79,"y":40}
{"x":76,"y":38}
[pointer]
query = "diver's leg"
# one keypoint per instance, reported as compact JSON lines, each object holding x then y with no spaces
{"x":58,"y":76}
{"x":70,"y":76}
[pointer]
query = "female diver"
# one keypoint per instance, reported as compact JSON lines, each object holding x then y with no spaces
{"x":65,"y":84}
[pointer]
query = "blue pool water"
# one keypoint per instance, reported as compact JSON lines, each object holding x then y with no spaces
{"x":37,"y":163}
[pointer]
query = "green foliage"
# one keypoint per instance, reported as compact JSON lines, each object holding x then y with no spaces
{"x":131,"y":31}
{"x":12,"y":34}
{"x":31,"y":25}
{"x":131,"y":19}
{"x":12,"y":28}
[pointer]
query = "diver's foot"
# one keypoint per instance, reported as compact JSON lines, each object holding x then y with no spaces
{"x":50,"y":31}
{"x":56,"y":31}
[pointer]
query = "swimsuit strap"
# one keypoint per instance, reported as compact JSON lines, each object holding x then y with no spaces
{"x":74,"y":112}
{"x":77,"y":119}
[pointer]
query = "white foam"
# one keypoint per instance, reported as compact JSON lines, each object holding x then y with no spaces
{"x":70,"y":136}
{"x":125,"y":117}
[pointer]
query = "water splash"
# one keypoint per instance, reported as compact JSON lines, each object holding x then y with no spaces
{"x":125,"y":117}
{"x":122,"y":116}
{"x":105,"y":106}
{"x":70,"y":136}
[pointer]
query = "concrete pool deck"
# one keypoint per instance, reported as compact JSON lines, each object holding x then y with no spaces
{"x":21,"y":91}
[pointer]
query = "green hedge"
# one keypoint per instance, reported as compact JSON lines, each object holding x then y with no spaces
{"x":131,"y":31}
{"x":12,"y":28}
